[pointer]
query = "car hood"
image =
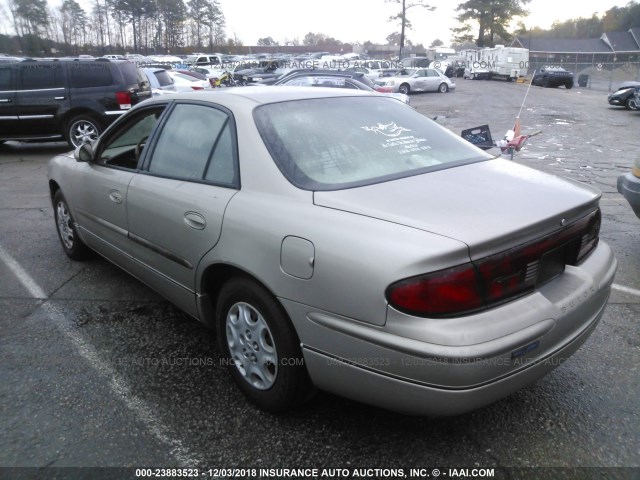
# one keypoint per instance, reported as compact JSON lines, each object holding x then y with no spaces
{"x":491,"y":206}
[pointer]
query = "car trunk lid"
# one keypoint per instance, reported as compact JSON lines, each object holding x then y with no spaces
{"x":491,"y":206}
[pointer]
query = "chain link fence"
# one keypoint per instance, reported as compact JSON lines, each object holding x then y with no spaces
{"x":597,"y":71}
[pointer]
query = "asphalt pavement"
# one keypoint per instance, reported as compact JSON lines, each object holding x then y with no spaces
{"x":96,"y":370}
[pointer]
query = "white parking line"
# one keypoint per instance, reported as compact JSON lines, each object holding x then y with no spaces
{"x":118,"y":386}
{"x":624,"y":289}
{"x":21,"y":274}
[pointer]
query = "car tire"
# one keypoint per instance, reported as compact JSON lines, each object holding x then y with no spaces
{"x":71,"y":243}
{"x":404,"y":89}
{"x":260,"y":347}
{"x":82,"y":129}
{"x":545,"y":82}
{"x":443,"y":88}
{"x":568,"y":85}
{"x":627,"y":104}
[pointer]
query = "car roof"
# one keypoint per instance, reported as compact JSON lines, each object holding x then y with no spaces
{"x":266,"y":94}
{"x":628,"y":84}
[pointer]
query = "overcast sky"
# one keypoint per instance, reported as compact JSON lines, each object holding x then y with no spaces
{"x":361,"y":20}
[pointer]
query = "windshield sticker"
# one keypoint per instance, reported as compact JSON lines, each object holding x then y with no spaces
{"x":402,"y":145}
{"x":388,"y":130}
{"x":409,"y":144}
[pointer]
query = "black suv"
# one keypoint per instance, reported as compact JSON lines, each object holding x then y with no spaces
{"x":553,"y":77}
{"x":46,"y":99}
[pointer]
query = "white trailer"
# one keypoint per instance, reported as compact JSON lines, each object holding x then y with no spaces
{"x":505,"y":62}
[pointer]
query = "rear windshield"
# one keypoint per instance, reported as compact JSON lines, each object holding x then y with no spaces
{"x":163,"y":78}
{"x":336,"y":143}
{"x":366,"y":80}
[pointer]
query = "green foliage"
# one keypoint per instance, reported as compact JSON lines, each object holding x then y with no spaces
{"x":491,"y":18}
{"x":616,"y":19}
{"x":320,"y":39}
{"x":267,"y":42}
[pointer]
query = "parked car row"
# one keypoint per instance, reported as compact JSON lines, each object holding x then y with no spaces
{"x":76,"y":99}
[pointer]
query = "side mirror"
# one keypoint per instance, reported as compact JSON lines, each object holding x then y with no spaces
{"x":83,"y":153}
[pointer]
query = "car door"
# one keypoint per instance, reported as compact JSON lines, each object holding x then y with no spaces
{"x":175,"y":209}
{"x":432,"y":80}
{"x":419,"y":80}
{"x":99,"y":193}
{"x":42,"y":97}
{"x":8,"y":107}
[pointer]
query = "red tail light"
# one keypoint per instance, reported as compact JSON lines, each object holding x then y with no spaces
{"x":197,"y":88}
{"x":383,"y":89}
{"x":493,"y":280}
{"x":124,"y":100}
{"x":436,"y":293}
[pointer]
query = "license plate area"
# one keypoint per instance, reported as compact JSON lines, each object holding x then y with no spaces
{"x":553,"y":263}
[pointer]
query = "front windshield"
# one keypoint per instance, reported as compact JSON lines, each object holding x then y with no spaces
{"x":336,"y":143}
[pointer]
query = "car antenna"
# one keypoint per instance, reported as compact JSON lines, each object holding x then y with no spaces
{"x":516,"y":127}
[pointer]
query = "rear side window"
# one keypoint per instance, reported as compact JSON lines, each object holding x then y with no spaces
{"x":40,"y":76}
{"x":86,"y":75}
{"x":196,"y":143}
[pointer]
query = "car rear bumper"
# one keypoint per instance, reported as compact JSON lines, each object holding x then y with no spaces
{"x":413,"y":398}
{"x":449,"y":366}
{"x":629,"y":187}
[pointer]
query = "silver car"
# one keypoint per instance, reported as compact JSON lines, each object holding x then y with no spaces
{"x":419,"y":80}
{"x":340,"y":240}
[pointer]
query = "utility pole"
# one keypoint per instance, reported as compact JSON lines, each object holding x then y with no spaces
{"x":404,"y":19}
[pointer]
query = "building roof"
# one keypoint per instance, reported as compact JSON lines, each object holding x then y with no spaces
{"x":635,"y":33}
{"x":620,"y":41}
{"x":563,"y":45}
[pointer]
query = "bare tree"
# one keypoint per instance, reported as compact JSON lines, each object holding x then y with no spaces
{"x":401,"y":16}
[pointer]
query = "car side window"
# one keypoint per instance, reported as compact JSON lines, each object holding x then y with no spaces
{"x":222,"y":168}
{"x":40,"y":76}
{"x":124,"y":148}
{"x":195,"y":144}
{"x":5,"y":78}
{"x":432,"y":73}
{"x":84,"y":75}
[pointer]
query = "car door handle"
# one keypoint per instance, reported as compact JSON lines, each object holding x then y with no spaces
{"x":5,"y":100}
{"x":59,"y":98}
{"x":115,"y":196}
{"x":195,"y":220}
